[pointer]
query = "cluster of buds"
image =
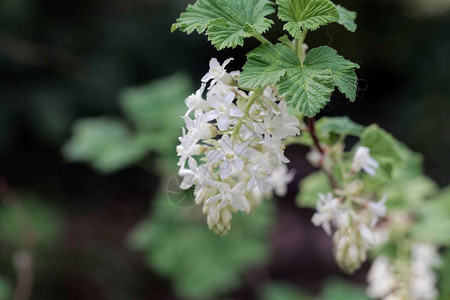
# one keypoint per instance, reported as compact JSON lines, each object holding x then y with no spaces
{"x":411,"y":280}
{"x":232,"y":148}
{"x":352,"y":216}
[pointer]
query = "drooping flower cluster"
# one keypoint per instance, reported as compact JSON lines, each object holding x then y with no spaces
{"x":391,"y":280}
{"x":353,"y":217}
{"x":232,"y":149}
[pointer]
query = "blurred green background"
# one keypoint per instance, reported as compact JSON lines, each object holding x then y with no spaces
{"x":106,"y":230}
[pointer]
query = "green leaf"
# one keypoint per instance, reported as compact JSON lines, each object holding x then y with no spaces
{"x":383,"y":148}
{"x":267,"y":64}
{"x":106,"y":143}
{"x":340,"y":290}
{"x":308,"y":86}
{"x":433,"y":225}
{"x":347,"y":18}
{"x":283,"y":291}
{"x":408,"y":194}
{"x":412,"y":164}
{"x":157,"y":105}
{"x":201,"y":265}
{"x":226,"y":22}
{"x":339,"y":125}
{"x":308,"y":90}
{"x":310,"y":188}
{"x":303,"y":15}
{"x":342,"y":70}
{"x":444,"y":277}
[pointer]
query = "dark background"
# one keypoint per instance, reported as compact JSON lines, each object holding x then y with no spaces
{"x":62,"y":60}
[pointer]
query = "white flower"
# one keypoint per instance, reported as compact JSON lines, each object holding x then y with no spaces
{"x":222,"y":110}
{"x":216,"y":71}
{"x":196,"y":101}
{"x":260,"y":170}
{"x":275,"y":147}
{"x":194,"y":175}
{"x":230,"y":196}
{"x":381,"y":278}
{"x":350,"y":249}
{"x":188,"y":147}
{"x":364,"y":161}
{"x":327,"y":209}
{"x":423,"y":279}
{"x":199,"y":127}
{"x":229,"y":154}
{"x":280,"y":178}
{"x":377,"y":210}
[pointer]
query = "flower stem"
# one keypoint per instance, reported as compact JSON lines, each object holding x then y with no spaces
{"x":261,"y":38}
{"x":312,"y":132}
{"x":248,"y":106}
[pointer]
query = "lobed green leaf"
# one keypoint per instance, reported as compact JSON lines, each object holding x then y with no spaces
{"x":308,"y":86}
{"x":303,"y":15}
{"x":226,"y":22}
{"x":347,"y":18}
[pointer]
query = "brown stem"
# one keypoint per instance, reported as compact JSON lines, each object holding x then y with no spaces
{"x":312,"y":131}
{"x":23,"y":258}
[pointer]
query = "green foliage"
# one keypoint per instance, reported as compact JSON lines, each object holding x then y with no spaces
{"x":109,"y":144}
{"x":310,"y":187}
{"x":347,"y":18}
{"x":433,"y":225}
{"x":342,"y":70}
{"x":383,"y":148}
{"x":339,"y":125}
{"x":340,"y":290}
{"x":149,"y":106}
{"x":283,"y":291}
{"x":5,"y":289}
{"x":179,"y":245}
{"x":31,"y":217}
{"x":302,"y":15}
{"x":226,"y":22}
{"x":307,"y":86}
{"x":408,"y":194}
{"x":444,"y":277}
{"x":267,"y":65}
{"x":106,"y":143}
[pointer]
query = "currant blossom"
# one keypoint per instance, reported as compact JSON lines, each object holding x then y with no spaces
{"x":327,"y":208}
{"x":217,"y":72}
{"x":363,"y":160}
{"x":223,"y":110}
{"x":234,"y":152}
{"x":196,"y":101}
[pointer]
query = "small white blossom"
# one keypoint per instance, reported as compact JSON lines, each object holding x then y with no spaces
{"x":280,"y":178}
{"x":327,"y":208}
{"x":187,"y":148}
{"x":196,"y":101}
{"x":363,"y":160}
{"x":216,"y":71}
{"x":223,"y":110}
{"x":199,"y":128}
{"x":229,"y":155}
{"x":377,"y":210}
{"x":381,"y":278}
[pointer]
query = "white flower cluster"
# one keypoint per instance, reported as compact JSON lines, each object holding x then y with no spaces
{"x":354,"y":219}
{"x":232,"y":149}
{"x":390,"y":281}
